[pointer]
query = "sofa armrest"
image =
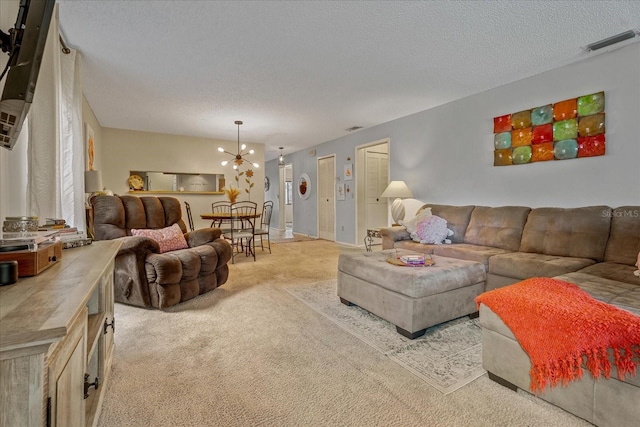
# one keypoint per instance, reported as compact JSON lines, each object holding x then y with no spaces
{"x":138,"y":244}
{"x":202,"y":236}
{"x":390,"y":235}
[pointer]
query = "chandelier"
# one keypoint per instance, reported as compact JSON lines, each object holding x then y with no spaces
{"x":281,"y":158}
{"x":239,"y":158}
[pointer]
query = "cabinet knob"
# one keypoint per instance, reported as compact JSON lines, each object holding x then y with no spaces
{"x":95,"y":384}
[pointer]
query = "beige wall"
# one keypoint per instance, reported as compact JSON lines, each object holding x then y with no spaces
{"x":120,"y":151}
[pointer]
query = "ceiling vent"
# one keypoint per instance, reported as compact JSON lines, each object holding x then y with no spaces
{"x":351,"y":129}
{"x":611,"y":40}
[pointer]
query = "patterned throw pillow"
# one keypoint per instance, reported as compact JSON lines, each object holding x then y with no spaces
{"x":169,"y":238}
{"x":433,"y":230}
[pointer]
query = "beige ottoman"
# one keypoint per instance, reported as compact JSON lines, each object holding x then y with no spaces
{"x":412,"y":298}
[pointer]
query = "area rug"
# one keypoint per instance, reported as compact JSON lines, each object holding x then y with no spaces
{"x":448,"y":356}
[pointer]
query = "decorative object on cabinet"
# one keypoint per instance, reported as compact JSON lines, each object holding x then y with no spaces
{"x":135,"y":182}
{"x":304,"y":186}
{"x":568,"y":129}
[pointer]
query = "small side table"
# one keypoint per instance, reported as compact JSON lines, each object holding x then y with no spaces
{"x":368,"y":239}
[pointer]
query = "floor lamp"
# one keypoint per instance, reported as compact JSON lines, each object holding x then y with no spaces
{"x":399,"y":190}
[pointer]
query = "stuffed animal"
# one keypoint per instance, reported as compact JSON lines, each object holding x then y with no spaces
{"x":637,"y":272}
{"x":432,"y":230}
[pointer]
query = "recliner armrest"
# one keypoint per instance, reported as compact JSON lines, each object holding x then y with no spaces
{"x":202,"y":236}
{"x":138,"y":244}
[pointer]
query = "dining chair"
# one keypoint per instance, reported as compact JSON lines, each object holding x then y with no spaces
{"x":265,"y":220}
{"x":243,"y":219}
{"x":189,"y":217}
{"x":221,"y":207}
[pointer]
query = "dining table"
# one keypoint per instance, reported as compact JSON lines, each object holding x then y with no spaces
{"x":227,"y":216}
{"x":221,"y":218}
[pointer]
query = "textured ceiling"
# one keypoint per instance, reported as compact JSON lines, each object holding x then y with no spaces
{"x":301,"y":73}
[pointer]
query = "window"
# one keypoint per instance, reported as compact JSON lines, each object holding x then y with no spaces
{"x":288,"y":188}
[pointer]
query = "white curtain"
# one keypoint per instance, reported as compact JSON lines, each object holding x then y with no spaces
{"x":71,"y":141}
{"x":55,"y":184}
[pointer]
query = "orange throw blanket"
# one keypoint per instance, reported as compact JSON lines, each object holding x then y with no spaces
{"x":559,"y":325}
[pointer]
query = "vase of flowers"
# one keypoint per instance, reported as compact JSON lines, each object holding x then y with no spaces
{"x":232,"y":194}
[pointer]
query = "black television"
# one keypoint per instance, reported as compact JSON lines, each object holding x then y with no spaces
{"x":25,"y":46}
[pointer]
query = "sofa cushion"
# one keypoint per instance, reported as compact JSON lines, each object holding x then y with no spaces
{"x":134,"y":213}
{"x":613,"y":271}
{"x":108,"y":217}
{"x":469,"y":252}
{"x":621,"y":294}
{"x":151,"y":212}
{"x":457,"y":218}
{"x":624,"y":238}
{"x":523,"y":265}
{"x":574,"y":232}
{"x":413,"y":246}
{"x":499,"y":227}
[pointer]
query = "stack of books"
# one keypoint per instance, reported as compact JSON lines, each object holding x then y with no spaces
{"x":28,"y":240}
{"x":54,"y":224}
{"x":71,"y":237}
{"x":413,"y":260}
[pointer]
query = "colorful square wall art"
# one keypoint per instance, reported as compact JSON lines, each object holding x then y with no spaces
{"x":569,"y":129}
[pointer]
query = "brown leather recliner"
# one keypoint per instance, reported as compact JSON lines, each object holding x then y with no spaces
{"x":143,"y":276}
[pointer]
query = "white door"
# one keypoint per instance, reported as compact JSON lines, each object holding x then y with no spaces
{"x":377,"y":178}
{"x":326,"y":198}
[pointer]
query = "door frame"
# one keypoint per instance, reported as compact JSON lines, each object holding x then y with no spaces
{"x":282,"y":215}
{"x":360,"y":187}
{"x":333,"y":185}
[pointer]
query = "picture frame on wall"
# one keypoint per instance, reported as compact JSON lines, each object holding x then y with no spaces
{"x":340,"y":191}
{"x":89,"y":138}
{"x":348,"y":171}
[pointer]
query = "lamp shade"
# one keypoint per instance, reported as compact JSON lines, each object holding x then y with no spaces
{"x":397,"y":189}
{"x":92,"y":181}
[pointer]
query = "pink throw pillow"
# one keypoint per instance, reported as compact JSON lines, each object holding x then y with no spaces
{"x":169,"y":238}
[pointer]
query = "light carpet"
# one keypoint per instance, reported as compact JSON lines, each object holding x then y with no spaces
{"x":447,"y":356}
{"x":251,"y":354}
{"x":288,"y":238}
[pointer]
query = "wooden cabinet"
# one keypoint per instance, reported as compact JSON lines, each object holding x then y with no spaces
{"x":56,"y":340}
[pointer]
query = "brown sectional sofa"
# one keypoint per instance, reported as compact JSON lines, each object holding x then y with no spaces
{"x":594,"y":247}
